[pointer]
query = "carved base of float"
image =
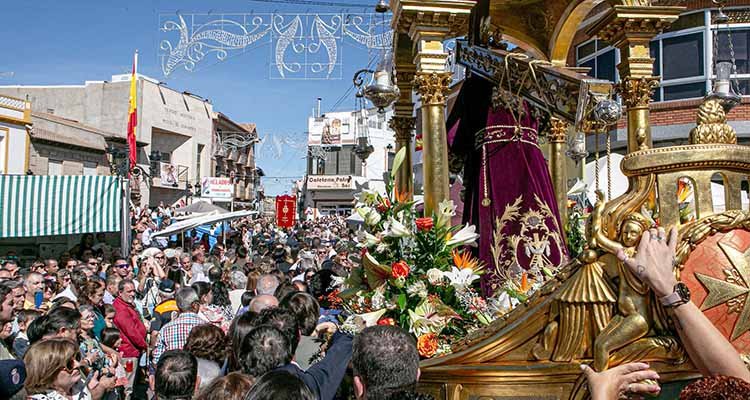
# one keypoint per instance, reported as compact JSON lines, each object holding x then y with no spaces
{"x":596,"y":313}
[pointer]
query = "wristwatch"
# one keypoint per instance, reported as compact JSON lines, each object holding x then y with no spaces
{"x":680,"y":296}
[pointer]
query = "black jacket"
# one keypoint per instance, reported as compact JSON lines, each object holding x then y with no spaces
{"x":324,"y":377}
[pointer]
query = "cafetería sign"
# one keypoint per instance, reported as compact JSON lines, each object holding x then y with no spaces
{"x":330,"y":182}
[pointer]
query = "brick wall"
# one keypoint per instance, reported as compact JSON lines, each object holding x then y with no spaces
{"x":680,"y":112}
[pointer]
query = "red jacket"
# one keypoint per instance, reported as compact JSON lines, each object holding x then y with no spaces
{"x":132,"y":329}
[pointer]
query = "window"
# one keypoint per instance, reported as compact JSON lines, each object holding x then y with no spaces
{"x":89,"y":169}
{"x":600,"y":58}
{"x":198,"y":162}
{"x":740,"y":41}
{"x":682,"y":56}
{"x":54,"y":167}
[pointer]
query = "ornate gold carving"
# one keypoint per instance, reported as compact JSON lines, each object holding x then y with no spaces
{"x":637,"y":311}
{"x":433,"y":86}
{"x":558,"y":130}
{"x":668,"y":159}
{"x":637,"y":92}
{"x":403,"y":127}
{"x":452,"y":16}
{"x":700,"y":230}
{"x":712,"y":125}
{"x":585,"y":303}
{"x":631,"y":16}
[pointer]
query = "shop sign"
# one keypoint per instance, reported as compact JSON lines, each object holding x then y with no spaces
{"x":217,"y":188}
{"x":330,"y":182}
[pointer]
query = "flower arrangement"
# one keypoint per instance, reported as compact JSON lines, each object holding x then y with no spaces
{"x":415,"y":272}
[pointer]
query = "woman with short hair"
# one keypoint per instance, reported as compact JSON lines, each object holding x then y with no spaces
{"x":208,"y":344}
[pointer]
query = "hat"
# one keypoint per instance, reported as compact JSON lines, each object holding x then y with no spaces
{"x":172,"y":253}
{"x":279,"y":252}
{"x":166,"y":286}
{"x":12,"y":377}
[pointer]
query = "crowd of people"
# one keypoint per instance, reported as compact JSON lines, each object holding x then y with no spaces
{"x":253,"y":316}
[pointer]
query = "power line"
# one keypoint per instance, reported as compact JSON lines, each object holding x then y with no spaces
{"x":314,"y":3}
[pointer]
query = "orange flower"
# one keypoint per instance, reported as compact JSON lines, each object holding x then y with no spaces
{"x":524,"y":282}
{"x":400,"y":197}
{"x":464,"y":260}
{"x":386,"y":321}
{"x":427,"y":345}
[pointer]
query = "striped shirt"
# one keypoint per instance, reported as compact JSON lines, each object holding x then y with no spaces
{"x":174,"y":335}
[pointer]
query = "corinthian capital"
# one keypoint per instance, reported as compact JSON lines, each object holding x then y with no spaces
{"x":637,"y":92}
{"x":432,"y":86}
{"x":403,"y":126}
{"x":558,"y":131}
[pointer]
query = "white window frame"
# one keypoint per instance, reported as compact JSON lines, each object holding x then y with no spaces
{"x":708,"y":75}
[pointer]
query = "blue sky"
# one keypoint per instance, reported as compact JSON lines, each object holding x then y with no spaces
{"x":67,"y":42}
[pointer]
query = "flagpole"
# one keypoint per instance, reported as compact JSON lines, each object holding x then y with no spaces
{"x":126,"y":228}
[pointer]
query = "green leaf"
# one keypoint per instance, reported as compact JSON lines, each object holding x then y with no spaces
{"x":401,"y":301}
{"x":397,"y":161}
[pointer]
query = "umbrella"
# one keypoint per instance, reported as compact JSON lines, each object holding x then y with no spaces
{"x":201,"y":207}
{"x":202,"y":220}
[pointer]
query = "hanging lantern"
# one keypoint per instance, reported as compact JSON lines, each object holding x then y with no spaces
{"x":382,"y":6}
{"x":577,"y":147}
{"x":382,"y":91}
{"x":723,"y":88}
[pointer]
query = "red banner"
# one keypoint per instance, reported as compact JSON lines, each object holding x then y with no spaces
{"x":286,"y":211}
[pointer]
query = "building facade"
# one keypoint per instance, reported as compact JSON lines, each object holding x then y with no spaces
{"x":15,"y":125}
{"x":336,"y":171}
{"x":684,"y":56}
{"x":234,"y":157}
{"x":174,"y":134}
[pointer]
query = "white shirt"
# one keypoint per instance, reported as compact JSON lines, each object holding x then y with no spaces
{"x":68,"y":292}
{"x":235,"y":297}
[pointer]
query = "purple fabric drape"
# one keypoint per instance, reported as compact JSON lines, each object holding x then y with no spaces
{"x":520,"y":228}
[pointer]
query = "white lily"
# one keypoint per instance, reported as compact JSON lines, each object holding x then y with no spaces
{"x":466,"y":236}
{"x":397,"y":229}
{"x":446,"y":210}
{"x":368,"y":197}
{"x":370,"y":215}
{"x":369,"y":239}
{"x":460,"y":278}
{"x":356,"y":323}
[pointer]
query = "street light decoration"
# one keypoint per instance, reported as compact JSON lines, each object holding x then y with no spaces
{"x":381,"y":91}
{"x":724,"y":87}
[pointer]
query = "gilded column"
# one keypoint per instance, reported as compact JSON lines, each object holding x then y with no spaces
{"x":630,"y":28}
{"x":558,"y":170}
{"x":403,"y":124}
{"x":432,"y":87}
{"x":426,"y":24}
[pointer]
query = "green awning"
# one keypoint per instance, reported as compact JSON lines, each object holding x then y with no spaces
{"x":59,"y":205}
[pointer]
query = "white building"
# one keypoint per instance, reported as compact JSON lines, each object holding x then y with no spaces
{"x":335,"y":172}
{"x":15,"y":123}
{"x":174,"y":133}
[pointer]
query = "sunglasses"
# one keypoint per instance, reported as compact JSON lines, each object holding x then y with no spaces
{"x":121,"y":265}
{"x":159,"y":257}
{"x":72,"y":364}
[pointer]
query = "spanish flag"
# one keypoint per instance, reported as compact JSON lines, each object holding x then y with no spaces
{"x":133,"y":113}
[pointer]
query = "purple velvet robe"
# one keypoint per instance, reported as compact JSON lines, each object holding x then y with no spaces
{"x":520,"y":228}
